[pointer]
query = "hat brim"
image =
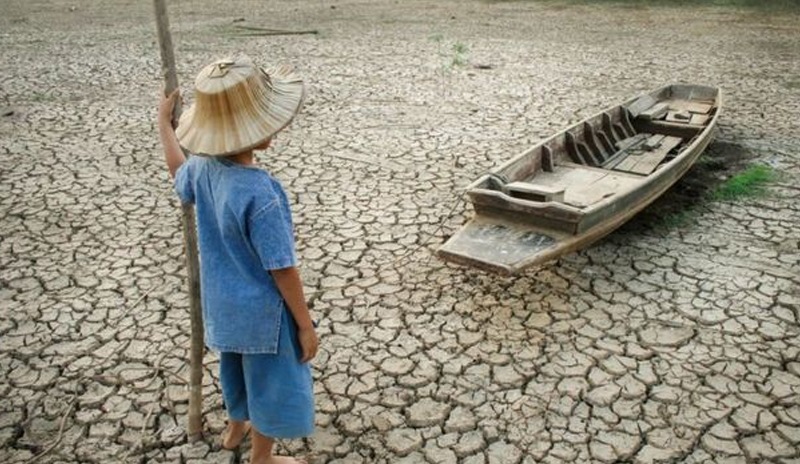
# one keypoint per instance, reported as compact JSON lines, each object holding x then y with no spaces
{"x":275,"y":107}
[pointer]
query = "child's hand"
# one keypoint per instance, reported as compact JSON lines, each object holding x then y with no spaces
{"x":167,"y":105}
{"x":309,"y":343}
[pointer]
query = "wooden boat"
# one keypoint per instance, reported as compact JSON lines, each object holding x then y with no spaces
{"x":579,"y":185}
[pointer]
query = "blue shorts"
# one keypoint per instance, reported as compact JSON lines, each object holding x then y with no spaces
{"x":275,"y":392}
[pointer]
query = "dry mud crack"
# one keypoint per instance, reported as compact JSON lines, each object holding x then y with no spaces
{"x":657,"y":344}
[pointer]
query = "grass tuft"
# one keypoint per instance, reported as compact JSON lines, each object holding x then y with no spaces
{"x":748,"y":183}
{"x":792,"y":84}
{"x":680,"y":209}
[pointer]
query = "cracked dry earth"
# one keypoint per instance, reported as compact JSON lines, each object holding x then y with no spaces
{"x":657,"y":344}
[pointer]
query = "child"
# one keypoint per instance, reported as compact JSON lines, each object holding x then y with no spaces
{"x":254,"y":310}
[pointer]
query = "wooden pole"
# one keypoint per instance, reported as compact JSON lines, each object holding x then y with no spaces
{"x":195,"y":428}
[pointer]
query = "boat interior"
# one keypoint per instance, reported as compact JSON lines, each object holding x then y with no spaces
{"x":611,"y":152}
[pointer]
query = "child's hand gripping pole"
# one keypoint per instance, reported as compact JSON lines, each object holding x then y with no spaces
{"x":173,"y":153}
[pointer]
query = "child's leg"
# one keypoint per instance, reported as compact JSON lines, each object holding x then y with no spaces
{"x":235,"y":396}
{"x":280,"y":396}
{"x":262,"y":452}
{"x":280,"y":389}
{"x":231,"y":376}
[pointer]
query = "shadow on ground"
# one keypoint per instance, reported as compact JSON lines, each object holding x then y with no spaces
{"x":721,"y":160}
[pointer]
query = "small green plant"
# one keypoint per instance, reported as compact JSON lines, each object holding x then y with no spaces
{"x":455,"y":56}
{"x":42,"y":97}
{"x":792,"y":84}
{"x":460,"y":51}
{"x":748,"y":183}
{"x":681,"y":208}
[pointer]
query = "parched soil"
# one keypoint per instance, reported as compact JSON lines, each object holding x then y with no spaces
{"x":661,"y":343}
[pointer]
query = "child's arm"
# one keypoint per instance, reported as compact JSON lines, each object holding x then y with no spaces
{"x":291,"y":287}
{"x":173,"y":153}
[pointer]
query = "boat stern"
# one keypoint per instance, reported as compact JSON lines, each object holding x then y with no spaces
{"x":497,"y":245}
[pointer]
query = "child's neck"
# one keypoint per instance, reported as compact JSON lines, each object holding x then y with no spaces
{"x":243,"y":158}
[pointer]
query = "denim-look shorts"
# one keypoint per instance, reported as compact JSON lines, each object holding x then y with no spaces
{"x":275,"y":392}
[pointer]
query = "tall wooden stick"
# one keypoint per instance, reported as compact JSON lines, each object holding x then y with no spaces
{"x":195,"y":427}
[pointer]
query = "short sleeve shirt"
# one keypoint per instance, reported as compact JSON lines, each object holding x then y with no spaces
{"x":244,"y":228}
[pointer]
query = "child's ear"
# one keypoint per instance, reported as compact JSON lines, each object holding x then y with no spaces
{"x":264,"y":145}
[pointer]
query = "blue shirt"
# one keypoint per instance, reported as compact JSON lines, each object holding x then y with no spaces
{"x":244,"y":228}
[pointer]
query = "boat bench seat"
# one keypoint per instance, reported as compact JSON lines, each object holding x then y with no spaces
{"x":671,"y":116}
{"x":534,"y":192}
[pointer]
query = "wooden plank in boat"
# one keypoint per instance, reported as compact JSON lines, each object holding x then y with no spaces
{"x":641,"y":104}
{"x":690,"y":106}
{"x":583,"y":185}
{"x":604,"y":170}
{"x":679,"y":116}
{"x":603,"y":186}
{"x":646,"y":161}
{"x":653,"y":142}
{"x":632,"y":141}
{"x":565,"y":176}
{"x":657,"y":111}
{"x":534,"y":192}
{"x":674,"y":129}
{"x":626,"y":163}
{"x":625,"y":147}
{"x":699,"y":119}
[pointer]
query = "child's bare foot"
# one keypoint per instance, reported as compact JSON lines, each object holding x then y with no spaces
{"x":261,"y":453}
{"x":234,"y":434}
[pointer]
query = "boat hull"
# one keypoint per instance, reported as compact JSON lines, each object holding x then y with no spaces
{"x":510,"y":234}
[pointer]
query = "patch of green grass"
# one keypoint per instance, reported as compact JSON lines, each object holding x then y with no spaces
{"x":792,"y":84}
{"x":42,"y":97}
{"x":748,"y":183}
{"x":680,"y":207}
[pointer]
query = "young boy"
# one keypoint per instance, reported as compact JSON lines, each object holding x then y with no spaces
{"x":254,"y":310}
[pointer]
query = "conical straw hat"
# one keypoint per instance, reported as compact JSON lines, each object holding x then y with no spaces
{"x":238,"y":106}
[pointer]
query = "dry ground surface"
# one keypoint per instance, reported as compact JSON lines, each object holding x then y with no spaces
{"x":677,"y":344}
